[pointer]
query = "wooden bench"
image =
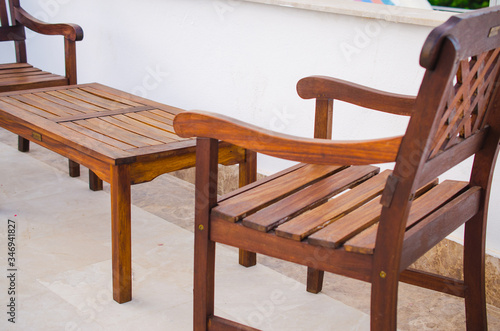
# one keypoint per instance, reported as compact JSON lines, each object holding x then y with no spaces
{"x":122,"y":138}
{"x":382,"y":222}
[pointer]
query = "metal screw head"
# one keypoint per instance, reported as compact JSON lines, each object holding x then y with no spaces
{"x":383,"y":274}
{"x":201,"y":227}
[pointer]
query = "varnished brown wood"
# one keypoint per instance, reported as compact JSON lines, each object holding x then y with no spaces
{"x":21,"y":75}
{"x":121,"y":233}
{"x":222,"y":324}
{"x":115,"y":149}
{"x":204,"y":262}
{"x":378,"y":228}
{"x":433,"y":282}
{"x":248,"y":175}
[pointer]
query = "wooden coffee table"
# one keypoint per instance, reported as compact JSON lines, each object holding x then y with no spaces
{"x":122,"y":138}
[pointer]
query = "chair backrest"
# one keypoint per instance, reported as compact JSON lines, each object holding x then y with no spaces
{"x":10,"y":30}
{"x":456,"y":115}
{"x":458,"y":102}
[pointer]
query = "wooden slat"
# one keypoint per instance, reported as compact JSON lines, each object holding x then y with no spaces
{"x":337,"y":233}
{"x":163,"y":113}
{"x":84,"y":105}
{"x":117,"y":133}
{"x":365,"y":242}
{"x":138,"y":127}
{"x":155,"y":120}
{"x":36,"y":102}
{"x":313,"y":220}
{"x":101,"y":114}
{"x":31,"y":81}
{"x":161,"y":125}
{"x":26,"y":71}
{"x":433,"y":228}
{"x":93,"y":100}
{"x":55,"y":101}
{"x":259,"y":182}
{"x":251,"y":201}
{"x":308,"y":198}
{"x":15,"y":65}
{"x":150,"y":128}
{"x":14,"y":106}
{"x":110,"y":96}
{"x":97,"y":100}
{"x":159,"y":118}
{"x":101,"y":138}
{"x":135,"y":98}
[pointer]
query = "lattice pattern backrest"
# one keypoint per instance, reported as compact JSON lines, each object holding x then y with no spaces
{"x":468,"y":96}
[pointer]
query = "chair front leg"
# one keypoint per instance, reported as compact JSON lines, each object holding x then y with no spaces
{"x":204,"y":248}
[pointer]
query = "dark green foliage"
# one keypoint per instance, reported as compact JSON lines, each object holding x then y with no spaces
{"x":467,"y":4}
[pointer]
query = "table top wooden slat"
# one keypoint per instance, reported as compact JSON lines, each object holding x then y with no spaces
{"x":103,"y":122}
{"x":106,"y":95}
{"x":37,"y":102}
{"x":95,"y":100}
{"x":146,"y":118}
{"x":98,"y":137}
{"x":137,"y":127}
{"x":116,"y":132}
{"x":18,"y":106}
{"x":85,"y":106}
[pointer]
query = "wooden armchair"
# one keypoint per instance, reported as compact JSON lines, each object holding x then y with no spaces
{"x":22,"y":76}
{"x":386,"y":221}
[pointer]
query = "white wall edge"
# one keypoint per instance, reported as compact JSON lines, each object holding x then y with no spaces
{"x":396,"y":14}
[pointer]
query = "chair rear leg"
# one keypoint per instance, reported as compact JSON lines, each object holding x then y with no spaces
{"x":474,"y":274}
{"x":384,"y":303}
{"x":247,"y":175}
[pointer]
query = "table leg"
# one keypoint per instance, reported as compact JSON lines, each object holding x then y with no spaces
{"x":74,"y":168}
{"x":23,"y":145}
{"x":121,"y":233}
{"x":248,"y":174}
{"x":95,"y":183}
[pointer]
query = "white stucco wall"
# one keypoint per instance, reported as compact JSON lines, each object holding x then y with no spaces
{"x":243,"y":59}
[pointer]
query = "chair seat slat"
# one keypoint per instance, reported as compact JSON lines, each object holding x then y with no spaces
{"x":435,"y":198}
{"x":262,"y":196}
{"x":315,"y":219}
{"x":308,"y":198}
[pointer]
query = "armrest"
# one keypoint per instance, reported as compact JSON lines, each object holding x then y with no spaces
{"x":321,"y":87}
{"x":308,"y":150}
{"x":71,"y":32}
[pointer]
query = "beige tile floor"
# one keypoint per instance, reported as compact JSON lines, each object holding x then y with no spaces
{"x":63,"y":277}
